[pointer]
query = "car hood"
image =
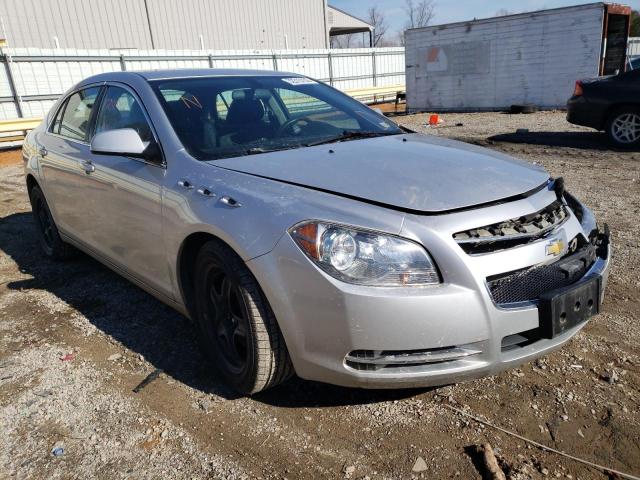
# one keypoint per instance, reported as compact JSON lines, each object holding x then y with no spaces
{"x":413,"y":172}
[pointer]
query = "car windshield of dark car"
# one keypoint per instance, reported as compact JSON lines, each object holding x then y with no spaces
{"x":228,"y":116}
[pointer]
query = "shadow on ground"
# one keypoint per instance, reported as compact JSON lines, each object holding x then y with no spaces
{"x":583,"y":140}
{"x":146,"y":326}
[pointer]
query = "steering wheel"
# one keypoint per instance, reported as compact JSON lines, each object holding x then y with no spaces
{"x":290,"y":123}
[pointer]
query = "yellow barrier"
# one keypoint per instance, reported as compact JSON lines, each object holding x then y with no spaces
{"x":376,"y":91}
{"x":17,"y":125}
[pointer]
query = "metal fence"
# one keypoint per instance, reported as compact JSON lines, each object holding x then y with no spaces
{"x":32,"y":79}
{"x":634,"y":46}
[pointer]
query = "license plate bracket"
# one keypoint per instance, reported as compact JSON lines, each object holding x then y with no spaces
{"x":562,"y":309}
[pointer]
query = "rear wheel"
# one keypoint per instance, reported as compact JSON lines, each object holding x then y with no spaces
{"x":48,"y":235}
{"x":239,"y":331}
{"x":623,"y":127}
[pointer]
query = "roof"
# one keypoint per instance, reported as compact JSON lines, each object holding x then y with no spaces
{"x":209,"y":72}
{"x":184,"y":73}
{"x":340,"y":22}
{"x":549,"y":11}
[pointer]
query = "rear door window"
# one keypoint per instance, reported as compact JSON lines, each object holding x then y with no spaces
{"x":75,"y":116}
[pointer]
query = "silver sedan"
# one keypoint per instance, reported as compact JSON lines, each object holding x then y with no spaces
{"x":303,"y":232}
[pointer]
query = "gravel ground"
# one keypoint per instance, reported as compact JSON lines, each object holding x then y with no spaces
{"x":76,"y":339}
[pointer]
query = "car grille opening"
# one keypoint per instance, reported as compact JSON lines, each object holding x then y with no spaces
{"x":387,"y":359}
{"x":513,"y":232}
{"x":529,"y":283}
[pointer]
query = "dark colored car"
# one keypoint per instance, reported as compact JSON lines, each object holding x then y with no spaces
{"x":611,"y":104}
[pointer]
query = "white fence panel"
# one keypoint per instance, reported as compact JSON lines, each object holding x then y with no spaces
{"x":41,"y":75}
{"x":36,"y":108}
{"x":316,"y":66}
{"x":351,"y":63}
{"x":8,"y":111}
{"x":5,"y":89}
{"x":634,"y":46}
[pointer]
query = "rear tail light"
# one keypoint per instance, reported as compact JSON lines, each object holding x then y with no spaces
{"x":577,"y":91}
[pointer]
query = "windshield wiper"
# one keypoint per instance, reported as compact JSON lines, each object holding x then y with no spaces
{"x":346,"y":135}
{"x":258,"y":150}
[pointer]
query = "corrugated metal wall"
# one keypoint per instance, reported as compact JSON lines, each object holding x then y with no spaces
{"x":491,"y":64}
{"x":171,"y":24}
{"x":238,"y":24}
{"x":75,"y":23}
{"x":40,"y":76}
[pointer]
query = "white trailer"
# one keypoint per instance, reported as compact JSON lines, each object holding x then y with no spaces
{"x":529,"y":58}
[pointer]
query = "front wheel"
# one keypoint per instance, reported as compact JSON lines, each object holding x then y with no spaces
{"x":239,"y":331}
{"x":623,"y":127}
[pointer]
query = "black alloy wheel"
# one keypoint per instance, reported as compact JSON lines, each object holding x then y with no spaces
{"x":239,"y":331}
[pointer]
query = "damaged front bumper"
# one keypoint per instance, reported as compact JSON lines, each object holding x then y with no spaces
{"x":371,"y":337}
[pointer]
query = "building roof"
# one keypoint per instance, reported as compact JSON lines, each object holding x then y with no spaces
{"x":341,"y":22}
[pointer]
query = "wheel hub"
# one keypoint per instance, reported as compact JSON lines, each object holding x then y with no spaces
{"x":626,"y":128}
{"x":229,"y":318}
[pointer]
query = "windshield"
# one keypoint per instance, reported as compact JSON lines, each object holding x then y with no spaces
{"x":220,"y":117}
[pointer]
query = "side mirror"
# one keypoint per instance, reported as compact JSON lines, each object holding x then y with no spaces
{"x":123,"y":141}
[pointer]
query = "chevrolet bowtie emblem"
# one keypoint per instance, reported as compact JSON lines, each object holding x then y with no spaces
{"x":555,"y":247}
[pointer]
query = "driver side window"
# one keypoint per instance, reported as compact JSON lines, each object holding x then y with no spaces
{"x":120,"y":109}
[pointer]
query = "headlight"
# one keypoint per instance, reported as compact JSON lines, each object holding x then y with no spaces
{"x":365,"y":258}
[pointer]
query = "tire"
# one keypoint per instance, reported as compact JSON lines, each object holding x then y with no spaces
{"x":523,"y":108}
{"x":623,"y":127}
{"x":46,"y":229}
{"x":239,"y":332}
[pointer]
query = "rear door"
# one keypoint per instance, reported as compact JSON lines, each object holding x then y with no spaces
{"x":64,"y":151}
{"x":128,"y":206}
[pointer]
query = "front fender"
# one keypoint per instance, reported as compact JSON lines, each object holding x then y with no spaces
{"x":268,"y":209}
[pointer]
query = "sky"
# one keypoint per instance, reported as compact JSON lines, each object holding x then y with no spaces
{"x":447,"y":11}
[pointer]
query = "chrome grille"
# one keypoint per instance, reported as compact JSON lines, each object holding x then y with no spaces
{"x":513,"y":232}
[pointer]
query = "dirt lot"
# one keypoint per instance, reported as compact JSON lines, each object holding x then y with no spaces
{"x":76,"y":339}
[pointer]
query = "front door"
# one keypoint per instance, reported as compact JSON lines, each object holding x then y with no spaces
{"x":128,"y":207}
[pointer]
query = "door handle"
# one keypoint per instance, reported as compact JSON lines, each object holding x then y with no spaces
{"x":184,"y":183}
{"x":206,"y":191}
{"x":43,"y":151}
{"x":88,"y":167}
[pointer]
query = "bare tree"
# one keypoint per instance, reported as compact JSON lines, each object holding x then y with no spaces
{"x":379,"y":21}
{"x":419,"y":12}
{"x":635,"y":23}
{"x":343,"y":41}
